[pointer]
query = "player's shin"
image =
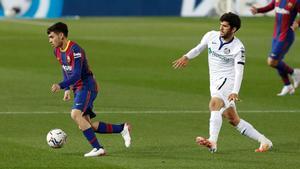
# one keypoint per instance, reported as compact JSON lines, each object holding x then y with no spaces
{"x":248,"y":130}
{"x":91,"y":137}
{"x":215,"y":124}
{"x":107,"y":128}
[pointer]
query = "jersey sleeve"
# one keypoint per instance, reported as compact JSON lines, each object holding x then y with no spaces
{"x":65,"y":79}
{"x":199,"y":48}
{"x":267,"y":8}
{"x":239,"y":63}
{"x":76,"y":75}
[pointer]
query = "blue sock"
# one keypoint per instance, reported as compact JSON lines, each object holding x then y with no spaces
{"x":91,"y":137}
{"x":283,"y":70}
{"x":109,"y":128}
{"x":285,"y":67}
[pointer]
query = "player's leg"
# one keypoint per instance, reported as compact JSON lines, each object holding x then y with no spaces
{"x":81,"y":100}
{"x":106,"y":128}
{"x":215,"y":123}
{"x":295,"y":74}
{"x":88,"y":132}
{"x":275,"y":60}
{"x":247,"y":129}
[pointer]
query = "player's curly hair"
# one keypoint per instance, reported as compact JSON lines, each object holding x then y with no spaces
{"x":58,"y":27}
{"x":233,"y":20}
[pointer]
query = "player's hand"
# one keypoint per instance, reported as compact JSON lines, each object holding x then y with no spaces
{"x":181,"y":62}
{"x":67,"y":95}
{"x":55,"y":88}
{"x":233,"y":97}
{"x":253,"y":10}
{"x":295,"y":26}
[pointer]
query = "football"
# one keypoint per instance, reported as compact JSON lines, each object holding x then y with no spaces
{"x":56,"y":138}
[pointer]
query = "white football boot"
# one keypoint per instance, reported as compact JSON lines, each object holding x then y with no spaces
{"x":212,"y":147}
{"x":296,"y":77}
{"x":95,"y":153}
{"x":287,"y":89}
{"x":126,"y":134}
{"x":265,"y":145}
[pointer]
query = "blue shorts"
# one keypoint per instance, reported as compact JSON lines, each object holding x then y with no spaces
{"x":83,"y":100}
{"x":280,"y":48}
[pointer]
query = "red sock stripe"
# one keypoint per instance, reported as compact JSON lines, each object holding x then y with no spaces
{"x":109,"y":128}
{"x":288,"y":69}
{"x":93,"y":140}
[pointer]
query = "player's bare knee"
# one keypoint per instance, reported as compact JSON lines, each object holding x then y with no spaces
{"x":75,"y":114}
{"x":272,"y":63}
{"x":216,"y":104}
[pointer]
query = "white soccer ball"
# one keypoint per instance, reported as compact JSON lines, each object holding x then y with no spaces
{"x":56,"y":138}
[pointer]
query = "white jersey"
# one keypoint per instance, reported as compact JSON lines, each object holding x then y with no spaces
{"x":226,"y":59}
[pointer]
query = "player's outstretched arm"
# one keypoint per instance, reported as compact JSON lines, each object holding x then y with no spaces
{"x":181,"y":62}
{"x":254,"y":10}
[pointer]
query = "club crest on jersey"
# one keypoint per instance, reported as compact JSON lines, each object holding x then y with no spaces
{"x":226,"y":51}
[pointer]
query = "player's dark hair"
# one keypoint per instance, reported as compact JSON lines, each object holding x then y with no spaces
{"x":58,"y":27}
{"x":233,"y":20}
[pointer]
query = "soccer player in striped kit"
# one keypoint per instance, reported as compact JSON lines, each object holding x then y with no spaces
{"x":226,"y":57}
{"x":283,"y":37}
{"x":78,"y":77}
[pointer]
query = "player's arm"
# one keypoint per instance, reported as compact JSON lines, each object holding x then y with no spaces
{"x":76,"y":70}
{"x":67,"y":94}
{"x":254,"y":10}
{"x":239,"y":63}
{"x":56,"y":87}
{"x":296,"y":23}
{"x":184,"y":60}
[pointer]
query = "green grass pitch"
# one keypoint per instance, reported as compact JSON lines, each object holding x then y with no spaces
{"x":131,"y":58}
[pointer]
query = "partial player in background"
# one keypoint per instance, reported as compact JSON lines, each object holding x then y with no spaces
{"x":226,"y":57}
{"x":78,"y":77}
{"x":283,"y":37}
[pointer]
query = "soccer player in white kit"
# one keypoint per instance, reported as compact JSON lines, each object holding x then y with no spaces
{"x":226,"y":56}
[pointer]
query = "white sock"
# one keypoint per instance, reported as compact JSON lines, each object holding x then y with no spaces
{"x":215,"y":124}
{"x":248,"y":130}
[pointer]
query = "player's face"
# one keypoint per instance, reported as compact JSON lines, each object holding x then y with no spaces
{"x":226,"y":31}
{"x":55,"y":39}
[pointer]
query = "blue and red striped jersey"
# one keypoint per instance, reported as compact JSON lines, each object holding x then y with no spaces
{"x":285,"y":14}
{"x":76,"y":71}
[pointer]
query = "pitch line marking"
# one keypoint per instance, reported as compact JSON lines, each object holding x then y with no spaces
{"x":27,"y":22}
{"x":159,"y":112}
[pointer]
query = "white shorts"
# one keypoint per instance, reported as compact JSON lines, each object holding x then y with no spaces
{"x":222,"y":88}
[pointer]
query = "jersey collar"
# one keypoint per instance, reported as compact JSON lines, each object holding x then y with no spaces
{"x":222,"y":43}
{"x":65,"y":49}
